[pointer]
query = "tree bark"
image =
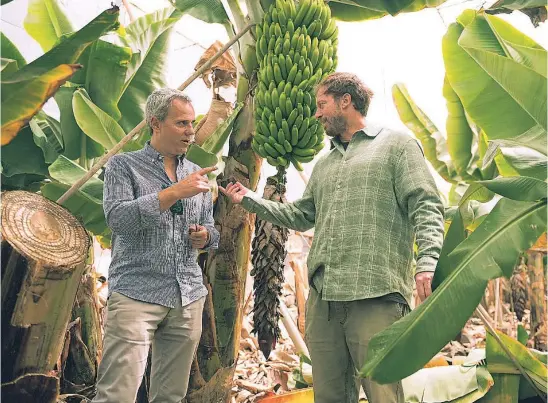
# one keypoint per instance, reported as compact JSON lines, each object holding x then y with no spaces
{"x":43,"y":259}
{"x":226,"y":268}
{"x":538,"y":299}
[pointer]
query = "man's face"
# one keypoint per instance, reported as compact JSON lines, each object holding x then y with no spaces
{"x":176,"y":132}
{"x":329,"y":114}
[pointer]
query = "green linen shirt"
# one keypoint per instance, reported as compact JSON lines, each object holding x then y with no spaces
{"x":367,"y":204}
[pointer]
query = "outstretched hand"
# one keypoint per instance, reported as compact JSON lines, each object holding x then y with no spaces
{"x":235,"y":192}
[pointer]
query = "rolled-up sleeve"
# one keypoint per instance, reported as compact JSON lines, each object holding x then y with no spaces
{"x":124,"y":212}
{"x":208,"y":222}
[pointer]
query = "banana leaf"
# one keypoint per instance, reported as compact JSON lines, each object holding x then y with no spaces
{"x":523,"y":336}
{"x":433,"y":141}
{"x":360,"y":10}
{"x":97,"y":124}
{"x":45,"y":139}
{"x":21,"y":104}
{"x":515,"y":161}
{"x":148,"y":36}
{"x":517,"y":4}
{"x":69,"y":48}
{"x":75,"y":143}
{"x":518,"y":188}
{"x":103,"y":75}
{"x":26,"y":90}
{"x":29,"y":182}
{"x":490,"y":251}
{"x":23,"y":156}
{"x":201,"y":157}
{"x":68,"y":172}
{"x":210,"y":11}
{"x":8,"y":65}
{"x":87,"y":203}
{"x":505,"y":98}
{"x":499,"y":362}
{"x":460,"y":137}
{"x":10,"y":51}
{"x":46,"y":22}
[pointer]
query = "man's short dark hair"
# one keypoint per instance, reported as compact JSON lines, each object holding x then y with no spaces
{"x":338,"y":84}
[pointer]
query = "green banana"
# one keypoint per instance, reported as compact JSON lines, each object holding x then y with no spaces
{"x":292,"y":118}
{"x":282,"y":102}
{"x":271,"y":150}
{"x":303,"y":159}
{"x":304,"y":153}
{"x":295,"y":163}
{"x":282,"y":162}
{"x":292,"y":74}
{"x":279,"y":148}
{"x":275,"y":98}
{"x":285,"y":128}
{"x":301,"y":12}
{"x":318,"y":147}
{"x":278,"y":118}
{"x":273,"y":130}
{"x":294,"y":135}
{"x":305,"y":139}
{"x":281,"y":137}
{"x":268,"y":100}
{"x":272,"y":161}
{"x":303,"y":128}
{"x":287,"y":146}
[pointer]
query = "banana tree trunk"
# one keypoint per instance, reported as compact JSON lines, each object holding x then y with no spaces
{"x":538,"y":298}
{"x":226,"y":270}
{"x":43,"y":259}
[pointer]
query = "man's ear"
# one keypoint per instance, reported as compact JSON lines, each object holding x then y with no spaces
{"x":155,"y":124}
{"x":346,"y":101}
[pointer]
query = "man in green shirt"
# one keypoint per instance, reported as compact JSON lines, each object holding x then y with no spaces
{"x":369,"y":199}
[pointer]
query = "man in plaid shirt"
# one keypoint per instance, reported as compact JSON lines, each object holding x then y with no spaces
{"x":369,"y":199}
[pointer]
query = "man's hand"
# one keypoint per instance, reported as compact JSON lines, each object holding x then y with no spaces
{"x":198,"y":236}
{"x":424,"y":284}
{"x":235,"y":192}
{"x":194,"y":183}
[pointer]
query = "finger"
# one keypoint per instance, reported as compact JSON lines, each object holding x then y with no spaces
{"x":205,"y":171}
{"x":420,"y":290}
{"x":427,"y":287}
{"x":222,"y":189}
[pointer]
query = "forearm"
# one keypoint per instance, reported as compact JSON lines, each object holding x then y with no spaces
{"x":287,"y":215}
{"x":168,"y":197}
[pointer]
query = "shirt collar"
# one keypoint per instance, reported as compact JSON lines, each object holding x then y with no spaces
{"x":370,"y":130}
{"x":155,"y":155}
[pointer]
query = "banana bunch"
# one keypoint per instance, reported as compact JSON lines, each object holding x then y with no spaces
{"x":296,"y":47}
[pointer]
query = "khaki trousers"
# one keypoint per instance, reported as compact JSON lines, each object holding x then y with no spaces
{"x":132,"y":327}
{"x":337,"y":335}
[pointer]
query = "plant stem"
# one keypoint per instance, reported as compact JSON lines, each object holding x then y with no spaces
{"x":254,"y":10}
{"x":82,"y":159}
{"x":140,"y":126}
{"x":482,"y":313}
{"x":237,"y":13}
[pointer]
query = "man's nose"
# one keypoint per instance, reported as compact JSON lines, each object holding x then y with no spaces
{"x":318,"y":114}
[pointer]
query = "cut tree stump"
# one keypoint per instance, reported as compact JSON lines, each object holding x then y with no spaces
{"x":44,"y":249}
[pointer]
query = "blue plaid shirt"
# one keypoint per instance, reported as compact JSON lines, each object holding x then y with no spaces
{"x":152,"y":256}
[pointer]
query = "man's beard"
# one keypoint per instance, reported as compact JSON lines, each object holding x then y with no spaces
{"x":335,"y":126}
